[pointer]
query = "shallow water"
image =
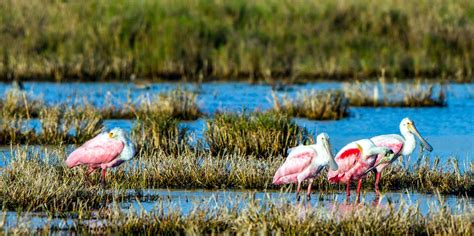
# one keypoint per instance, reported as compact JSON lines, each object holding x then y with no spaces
{"x":186,"y":201}
{"x":450,"y":130}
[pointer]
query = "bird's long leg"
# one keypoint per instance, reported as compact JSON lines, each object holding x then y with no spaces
{"x":308,"y":193}
{"x":359,"y":185}
{"x":348,"y":191}
{"x":88,"y":173}
{"x":298,"y":189}
{"x":377,"y":179}
{"x":102,"y":180}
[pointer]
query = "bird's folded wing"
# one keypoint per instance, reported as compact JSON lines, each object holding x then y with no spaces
{"x":298,"y":159}
{"x":101,"y":149}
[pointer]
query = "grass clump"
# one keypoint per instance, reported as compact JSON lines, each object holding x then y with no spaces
{"x":39,"y":181}
{"x":178,"y":103}
{"x":159,"y":132}
{"x":59,"y":125}
{"x":315,"y":105}
{"x":261,"y":134}
{"x":380,"y":94}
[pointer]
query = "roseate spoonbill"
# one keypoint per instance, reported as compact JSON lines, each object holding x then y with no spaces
{"x":399,"y":145}
{"x":305,"y":162}
{"x":105,"y":151}
{"x":354,"y":160}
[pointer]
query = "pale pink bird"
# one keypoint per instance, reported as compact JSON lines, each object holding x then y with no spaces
{"x":106,"y":150}
{"x":305,"y":162}
{"x":354,"y":160}
{"x":399,"y":145}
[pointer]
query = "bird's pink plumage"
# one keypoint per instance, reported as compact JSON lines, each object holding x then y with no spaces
{"x":348,"y":165}
{"x":97,"y":151}
{"x":295,"y":164}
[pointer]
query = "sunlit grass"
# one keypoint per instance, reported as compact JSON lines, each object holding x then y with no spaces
{"x":315,"y":105}
{"x":39,"y":179}
{"x":262,"y":134}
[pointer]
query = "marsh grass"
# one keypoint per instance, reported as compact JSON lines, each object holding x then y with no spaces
{"x":179,"y":103}
{"x":382,"y":94}
{"x":59,"y":125}
{"x":159,"y":132}
{"x":251,"y":216}
{"x":315,"y":105}
{"x":260,"y":134}
{"x":40,"y":179}
{"x":100,"y":40}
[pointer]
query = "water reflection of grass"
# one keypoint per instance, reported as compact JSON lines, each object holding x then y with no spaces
{"x":382,"y":94}
{"x":36,"y":180}
{"x":91,"y":41}
{"x":254,"y":216}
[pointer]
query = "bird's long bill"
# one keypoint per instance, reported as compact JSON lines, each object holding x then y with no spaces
{"x":371,"y":168}
{"x":332,"y":163}
{"x":425,"y":144}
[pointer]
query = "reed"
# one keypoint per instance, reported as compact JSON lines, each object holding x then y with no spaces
{"x":381,"y":94}
{"x":315,"y":105}
{"x":328,"y":39}
{"x":261,"y":134}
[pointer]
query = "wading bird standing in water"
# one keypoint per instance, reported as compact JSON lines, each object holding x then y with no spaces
{"x":354,"y":160}
{"x":400,"y":146}
{"x":105,"y":151}
{"x":305,"y":162}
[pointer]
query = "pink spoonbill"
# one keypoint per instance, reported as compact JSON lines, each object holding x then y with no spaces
{"x":305,"y":162}
{"x":106,"y":150}
{"x":400,"y":145}
{"x":354,"y":160}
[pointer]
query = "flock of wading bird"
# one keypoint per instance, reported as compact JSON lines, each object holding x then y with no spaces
{"x":304,"y":162}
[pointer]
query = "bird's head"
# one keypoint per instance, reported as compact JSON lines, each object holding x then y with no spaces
{"x":323,"y":140}
{"x":117,"y":133}
{"x":408,"y":126}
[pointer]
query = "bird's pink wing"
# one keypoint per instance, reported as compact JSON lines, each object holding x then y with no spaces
{"x":99,"y":150}
{"x":393,"y":142}
{"x":297,"y":161}
{"x":346,"y":160}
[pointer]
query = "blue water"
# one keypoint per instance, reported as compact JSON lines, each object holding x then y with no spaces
{"x":450,"y":130}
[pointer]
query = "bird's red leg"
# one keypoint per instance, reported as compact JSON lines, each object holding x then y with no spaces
{"x":377,"y":179}
{"x":298,"y":189}
{"x":348,"y":191}
{"x":308,"y":193}
{"x":359,"y":185}
{"x":87,"y":174}
{"x":103,"y":178}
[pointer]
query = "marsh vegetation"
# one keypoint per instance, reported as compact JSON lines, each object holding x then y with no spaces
{"x":199,"y":40}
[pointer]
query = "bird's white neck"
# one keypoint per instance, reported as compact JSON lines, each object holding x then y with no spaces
{"x":410,"y":143}
{"x":128,"y":151}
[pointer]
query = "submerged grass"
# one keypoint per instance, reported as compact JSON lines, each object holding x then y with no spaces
{"x":381,"y":94}
{"x":96,"y":40}
{"x":250,"y":216}
{"x":260,"y":134}
{"x":315,"y":105}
